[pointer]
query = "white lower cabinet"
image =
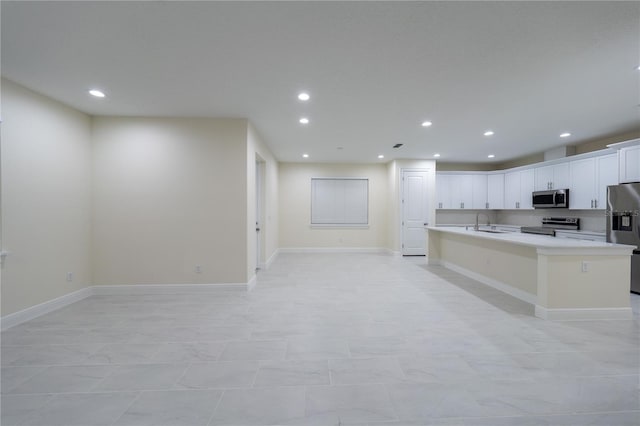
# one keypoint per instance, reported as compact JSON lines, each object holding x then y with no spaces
{"x":581,"y":236}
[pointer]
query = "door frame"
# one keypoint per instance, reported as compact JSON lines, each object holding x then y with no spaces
{"x":259,"y":211}
{"x":401,"y":204}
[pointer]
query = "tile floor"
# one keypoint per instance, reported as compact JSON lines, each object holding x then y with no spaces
{"x":322,"y":340}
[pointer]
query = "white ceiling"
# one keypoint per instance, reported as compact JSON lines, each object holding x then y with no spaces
{"x":375,"y":70}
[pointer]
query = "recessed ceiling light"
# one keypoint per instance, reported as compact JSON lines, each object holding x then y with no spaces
{"x":565,"y":135}
{"x":638,"y":68}
{"x":491,"y":156}
{"x":488,"y":133}
{"x":380,"y":156}
{"x":436,"y":155}
{"x":303,"y":96}
{"x":304,"y":120}
{"x":97,"y":93}
{"x":426,"y":123}
{"x":305,"y":155}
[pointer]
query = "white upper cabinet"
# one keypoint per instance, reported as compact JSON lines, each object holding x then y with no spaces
{"x":479,"y":193}
{"x":527,"y":179}
{"x":443,"y":191}
{"x":630,"y":164}
{"x":586,"y":176}
{"x":555,"y":176}
{"x":583,"y":184}
{"x":512,"y":190}
{"x":495,"y":191}
{"x":589,"y":180}
{"x":518,"y":187}
{"x":607,"y":174}
{"x":461,"y":191}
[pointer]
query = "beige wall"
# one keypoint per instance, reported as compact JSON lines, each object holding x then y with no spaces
{"x":169,"y":194}
{"x":46,"y":178}
{"x":258,"y":151}
{"x":295,"y":207}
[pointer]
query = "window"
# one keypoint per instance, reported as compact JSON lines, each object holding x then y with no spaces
{"x":340,"y":201}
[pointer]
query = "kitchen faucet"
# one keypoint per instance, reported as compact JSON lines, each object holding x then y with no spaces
{"x":477,"y":226}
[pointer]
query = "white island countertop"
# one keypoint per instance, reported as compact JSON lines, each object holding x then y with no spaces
{"x":543,"y":243}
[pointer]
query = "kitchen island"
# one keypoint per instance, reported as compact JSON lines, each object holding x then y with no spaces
{"x":565,"y":279}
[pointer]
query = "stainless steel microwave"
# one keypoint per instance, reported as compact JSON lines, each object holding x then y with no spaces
{"x":552,"y":199}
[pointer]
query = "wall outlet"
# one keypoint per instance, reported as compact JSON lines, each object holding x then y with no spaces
{"x":69,"y":276}
{"x":198,"y":269}
{"x":585,"y":266}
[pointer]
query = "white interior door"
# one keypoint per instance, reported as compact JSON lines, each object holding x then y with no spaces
{"x":258,"y":214}
{"x":415,"y":213}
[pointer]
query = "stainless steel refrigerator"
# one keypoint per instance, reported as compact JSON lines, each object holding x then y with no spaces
{"x":623,"y":223}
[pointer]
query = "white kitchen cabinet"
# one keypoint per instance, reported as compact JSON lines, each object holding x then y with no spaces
{"x":461,"y":191}
{"x":512,"y":190}
{"x":555,"y":176}
{"x":607,"y":174}
{"x":589,"y":180}
{"x":443,"y":191}
{"x":495,"y":191}
{"x":630,"y":164}
{"x":581,"y":236}
{"x":518,"y":186}
{"x":527,"y":183}
{"x":479,"y":193}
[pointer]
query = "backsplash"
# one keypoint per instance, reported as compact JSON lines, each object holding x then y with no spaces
{"x":590,"y":220}
{"x":464,"y":217}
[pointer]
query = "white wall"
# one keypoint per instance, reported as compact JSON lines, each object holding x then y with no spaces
{"x":295,"y":207}
{"x":256,"y":149}
{"x":46,"y":189}
{"x":169,"y":194}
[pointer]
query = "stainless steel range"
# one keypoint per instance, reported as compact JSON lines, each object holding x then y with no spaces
{"x":550,"y":224}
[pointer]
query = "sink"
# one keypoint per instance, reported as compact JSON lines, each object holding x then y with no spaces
{"x":491,"y":231}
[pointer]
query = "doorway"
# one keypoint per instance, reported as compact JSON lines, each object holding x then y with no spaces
{"x":259,"y":211}
{"x":414,"y":212}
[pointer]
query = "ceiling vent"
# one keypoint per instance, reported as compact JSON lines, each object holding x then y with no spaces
{"x":559,"y":152}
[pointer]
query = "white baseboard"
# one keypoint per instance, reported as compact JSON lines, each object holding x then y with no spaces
{"x":251,"y":284}
{"x":584,"y":314}
{"x":266,"y":265}
{"x":32,"y":312}
{"x":498,"y":285}
{"x":135,"y":289}
{"x":333,"y":250}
